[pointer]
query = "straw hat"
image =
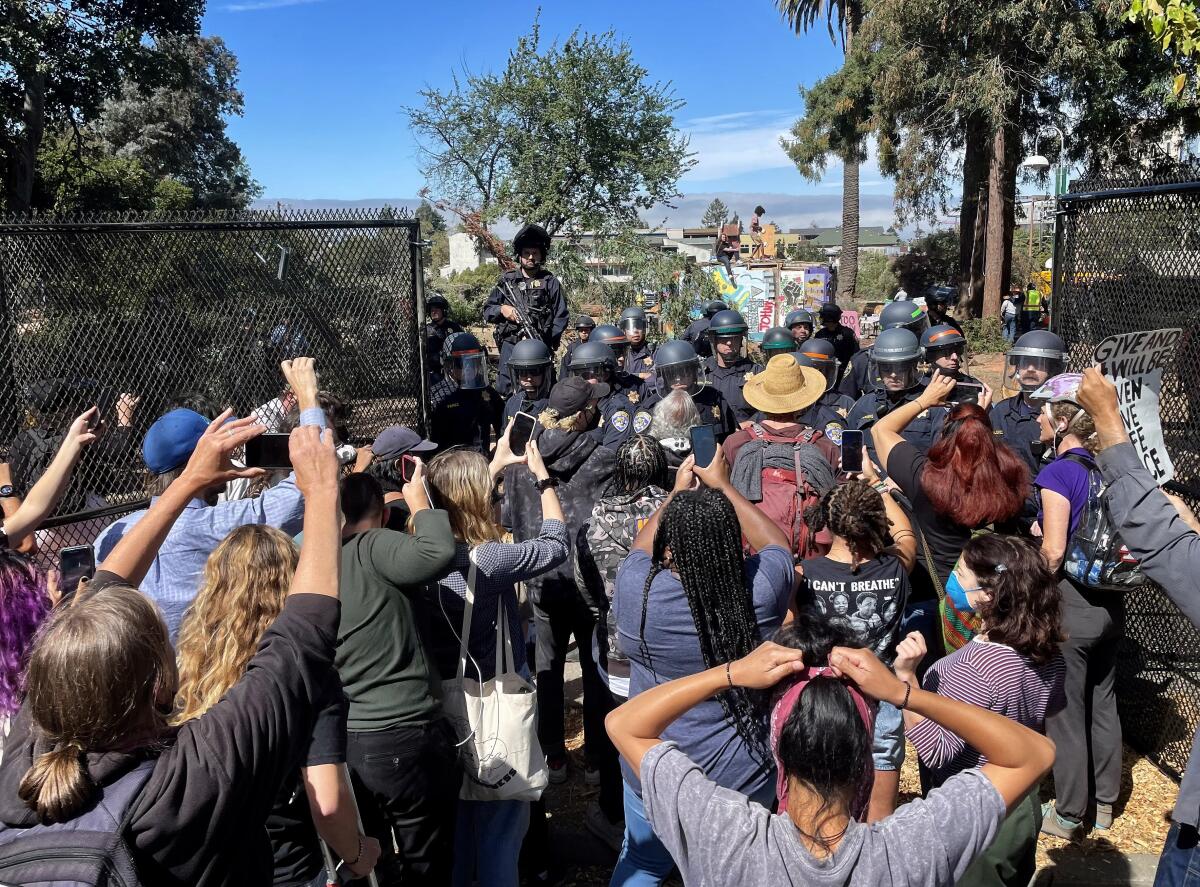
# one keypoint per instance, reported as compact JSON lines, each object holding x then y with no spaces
{"x":784,"y":386}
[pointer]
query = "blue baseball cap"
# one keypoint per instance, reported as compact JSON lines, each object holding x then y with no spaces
{"x":394,"y":442}
{"x":171,"y":439}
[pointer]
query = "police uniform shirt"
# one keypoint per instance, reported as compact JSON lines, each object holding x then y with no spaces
{"x":565,"y":366}
{"x":856,"y":381}
{"x":640,"y":361}
{"x":518,"y":403}
{"x":730,"y":380}
{"x":442,"y":390}
{"x":466,"y":418}
{"x":922,"y":432}
{"x":828,"y":415}
{"x":542,"y":295}
{"x":697,"y":334}
{"x":616,"y":420}
{"x":1015,"y":423}
{"x":435,"y":338}
{"x":710,"y":405}
{"x":634,"y":387}
{"x":845,"y":344}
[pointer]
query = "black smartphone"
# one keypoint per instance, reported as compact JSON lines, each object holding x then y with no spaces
{"x":966,"y":392}
{"x":522,"y":431}
{"x":852,"y":444}
{"x":407,"y":466}
{"x":268,"y":451}
{"x":75,"y":564}
{"x":704,"y":444}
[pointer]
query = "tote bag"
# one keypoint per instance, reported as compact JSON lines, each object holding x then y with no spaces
{"x":495,"y":720}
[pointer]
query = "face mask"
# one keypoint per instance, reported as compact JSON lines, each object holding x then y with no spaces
{"x":958,"y":594}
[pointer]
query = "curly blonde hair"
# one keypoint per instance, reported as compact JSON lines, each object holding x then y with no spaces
{"x":246,"y":581}
{"x":463,"y":485}
{"x":1079,"y":423}
{"x":550,"y":418}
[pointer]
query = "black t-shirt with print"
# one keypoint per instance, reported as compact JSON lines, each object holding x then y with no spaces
{"x":869,"y":600}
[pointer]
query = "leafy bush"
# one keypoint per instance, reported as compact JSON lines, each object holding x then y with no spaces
{"x":985,"y":335}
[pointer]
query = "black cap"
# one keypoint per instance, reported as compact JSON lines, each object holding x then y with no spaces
{"x":571,"y":395}
{"x":585,"y":322}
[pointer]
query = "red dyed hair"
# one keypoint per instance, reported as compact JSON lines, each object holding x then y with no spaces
{"x":970,"y":478}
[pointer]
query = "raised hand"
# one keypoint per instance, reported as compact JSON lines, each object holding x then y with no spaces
{"x":414,"y":489}
{"x":533,"y":458}
{"x":909,"y":653}
{"x":301,"y":374}
{"x":314,"y":460}
{"x":869,"y":674}
{"x":766,"y":666}
{"x":937,"y":392}
{"x":210,"y":463}
{"x":85,"y":430}
{"x":715,"y":475}
{"x":685,"y":477}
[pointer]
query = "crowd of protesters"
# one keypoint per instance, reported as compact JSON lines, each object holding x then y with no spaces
{"x":354,"y":667}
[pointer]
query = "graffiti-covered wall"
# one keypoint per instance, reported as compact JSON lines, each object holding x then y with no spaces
{"x":752,"y":294}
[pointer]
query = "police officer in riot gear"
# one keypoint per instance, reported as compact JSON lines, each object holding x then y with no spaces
{"x":1035,"y":357}
{"x":583,"y":332}
{"x":938,"y":304}
{"x":531,"y":365}
{"x":945,"y":350}
{"x":596,"y":362}
{"x":776,"y":340}
{"x":894,"y":367}
{"x":676,"y":366}
{"x":829,"y":414}
{"x":465,"y":408}
{"x":526,"y":302}
{"x":697,"y":332}
{"x":438,"y":326}
{"x":639,"y":359}
{"x":615,"y":339}
{"x":728,"y":368}
{"x":857,"y":381}
{"x":800,"y":322}
{"x":845,"y":343}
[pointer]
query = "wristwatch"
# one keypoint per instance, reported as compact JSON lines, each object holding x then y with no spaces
{"x":543,"y":485}
{"x":7,"y":491}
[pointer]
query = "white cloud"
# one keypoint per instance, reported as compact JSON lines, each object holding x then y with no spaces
{"x":256,"y":5}
{"x":744,"y":141}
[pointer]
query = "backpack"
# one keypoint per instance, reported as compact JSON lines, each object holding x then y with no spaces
{"x":786,"y":495}
{"x":87,"y":851}
{"x":1096,"y":557}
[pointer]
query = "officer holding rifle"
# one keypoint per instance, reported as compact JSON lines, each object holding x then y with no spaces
{"x":527,"y":302}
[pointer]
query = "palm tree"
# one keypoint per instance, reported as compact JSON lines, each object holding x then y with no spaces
{"x":802,"y":15}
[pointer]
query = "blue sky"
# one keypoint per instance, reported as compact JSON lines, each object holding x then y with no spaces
{"x":325,"y":81}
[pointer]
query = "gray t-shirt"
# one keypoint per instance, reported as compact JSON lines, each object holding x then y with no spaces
{"x":719,"y":837}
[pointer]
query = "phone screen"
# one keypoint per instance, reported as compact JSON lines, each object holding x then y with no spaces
{"x":852,"y":444}
{"x":704,"y":444}
{"x":407,"y":465}
{"x":74,"y":564}
{"x":268,"y":451}
{"x":522,"y":430}
{"x":966,"y":392}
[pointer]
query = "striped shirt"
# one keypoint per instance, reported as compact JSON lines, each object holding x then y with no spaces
{"x":992,"y":676}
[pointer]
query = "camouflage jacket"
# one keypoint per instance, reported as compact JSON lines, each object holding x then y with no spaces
{"x":601,"y":544}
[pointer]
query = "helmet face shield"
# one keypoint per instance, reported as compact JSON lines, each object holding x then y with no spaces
{"x":1030,"y":371}
{"x":828,"y":368}
{"x":633,"y":325}
{"x":471,"y":370}
{"x":893,"y":376}
{"x":727,"y":344}
{"x":678,"y":375}
{"x":532,"y":378}
{"x":949,"y":358}
{"x":592,"y":372}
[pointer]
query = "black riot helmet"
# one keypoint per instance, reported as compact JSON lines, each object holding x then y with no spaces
{"x":612,"y":337}
{"x":437,"y":300}
{"x":532,"y":235}
{"x":676,"y":365}
{"x":894,"y":358}
{"x":531,"y":358}
{"x":777,"y":340}
{"x":906,"y":315}
{"x":465,"y":361}
{"x":633,"y":319}
{"x":713,"y":307}
{"x":585,"y":322}
{"x":593,"y":360}
{"x":1035,"y":357}
{"x":820,"y":355}
{"x":798,"y":315}
{"x":830,"y":313}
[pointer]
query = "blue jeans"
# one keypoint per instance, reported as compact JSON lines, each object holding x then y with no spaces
{"x":487,"y":842}
{"x":1179,"y":865}
{"x":1010,"y":328}
{"x":644,"y":861}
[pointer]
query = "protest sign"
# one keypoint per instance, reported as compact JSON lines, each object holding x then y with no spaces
{"x":1134,"y":362}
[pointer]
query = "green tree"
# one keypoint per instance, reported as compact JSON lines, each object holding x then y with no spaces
{"x":62,"y":58}
{"x":715,"y":215}
{"x":1175,"y":27}
{"x":431,"y":220}
{"x":930,"y":260}
{"x":876,"y":280}
{"x":813,"y":141}
{"x":571,"y":136}
{"x":804,"y":251}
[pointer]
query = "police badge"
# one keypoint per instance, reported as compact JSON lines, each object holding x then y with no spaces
{"x":833,"y":431}
{"x":632,"y":397}
{"x":641,"y":422}
{"x":620,"y":420}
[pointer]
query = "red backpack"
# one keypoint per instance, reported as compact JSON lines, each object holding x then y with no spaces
{"x":786,"y":494}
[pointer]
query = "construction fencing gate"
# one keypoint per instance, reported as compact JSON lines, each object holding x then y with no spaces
{"x":139,"y":313}
{"x":1127,"y":258}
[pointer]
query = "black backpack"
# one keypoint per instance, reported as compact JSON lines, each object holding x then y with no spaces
{"x":87,"y":851}
{"x":1095,"y":556}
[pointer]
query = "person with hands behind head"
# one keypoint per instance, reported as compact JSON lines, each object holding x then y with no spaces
{"x":1013,"y":667}
{"x":1168,"y":552}
{"x":91,"y":720}
{"x":178,"y":569}
{"x":687,"y":599}
{"x":718,"y":837}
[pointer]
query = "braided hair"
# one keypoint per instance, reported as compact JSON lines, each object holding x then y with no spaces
{"x":641,"y":463}
{"x":699,"y":537}
{"x":855,"y":512}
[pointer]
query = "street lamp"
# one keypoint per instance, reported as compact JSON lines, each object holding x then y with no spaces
{"x":1039,"y":163}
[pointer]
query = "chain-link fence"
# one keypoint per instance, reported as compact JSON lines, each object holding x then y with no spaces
{"x":1127,"y":258}
{"x":137,"y":314}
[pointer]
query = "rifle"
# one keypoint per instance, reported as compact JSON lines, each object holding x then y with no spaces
{"x":522,"y":312}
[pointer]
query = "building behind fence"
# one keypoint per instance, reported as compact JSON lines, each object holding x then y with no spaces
{"x":1127,"y":257}
{"x":137,"y":314}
